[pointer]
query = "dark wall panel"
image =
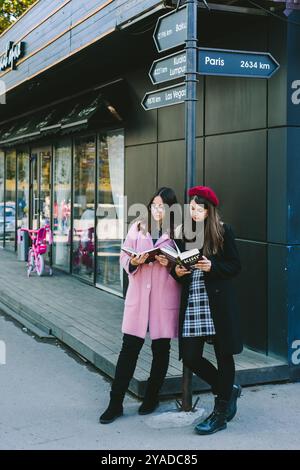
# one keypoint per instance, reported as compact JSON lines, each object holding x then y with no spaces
{"x":293,"y":186}
{"x":234,"y":104}
{"x":293,"y":306}
{"x":140,"y":173}
{"x":293,"y":69}
{"x":171,"y":166}
{"x":171,"y":120}
{"x":229,"y":31}
{"x":277,"y":85}
{"x":235,"y":166}
{"x":252,"y":291}
{"x":142,"y":127}
{"x":283,"y":185}
{"x":277,"y":296}
{"x":277,"y":180}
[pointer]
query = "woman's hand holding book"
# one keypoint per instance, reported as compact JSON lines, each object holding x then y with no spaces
{"x":139,"y":259}
{"x":204,"y":264}
{"x":163,"y":260}
{"x":181,"y":271}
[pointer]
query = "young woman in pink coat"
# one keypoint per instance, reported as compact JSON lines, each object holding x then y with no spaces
{"x":151,"y":304}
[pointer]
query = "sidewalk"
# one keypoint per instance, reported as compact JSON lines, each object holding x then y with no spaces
{"x":52,"y":400}
{"x":89,"y":321}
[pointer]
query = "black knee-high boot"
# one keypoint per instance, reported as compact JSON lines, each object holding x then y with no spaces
{"x":160,"y":363}
{"x":124,"y":372}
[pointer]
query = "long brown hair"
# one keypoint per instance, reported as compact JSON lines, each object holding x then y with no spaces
{"x":213,"y":228}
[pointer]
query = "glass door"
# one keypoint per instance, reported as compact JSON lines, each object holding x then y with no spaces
{"x":40,"y":187}
{"x":62,"y":179}
{"x":34,"y":197}
{"x":22,"y":189}
{"x":10,"y":200}
{"x":110,"y":210}
{"x":84,"y":207}
{"x":45,"y":188}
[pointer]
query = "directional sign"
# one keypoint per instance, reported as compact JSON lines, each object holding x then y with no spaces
{"x":168,"y":68}
{"x":165,"y":97}
{"x":170,"y":30}
{"x":236,"y":63}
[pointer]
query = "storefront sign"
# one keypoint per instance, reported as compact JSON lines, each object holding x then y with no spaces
{"x":170,"y":30}
{"x":13,"y":53}
{"x":236,"y":63}
{"x":165,"y":97}
{"x":168,"y":68}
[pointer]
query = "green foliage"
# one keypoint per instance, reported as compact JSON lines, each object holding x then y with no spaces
{"x":10,"y":10}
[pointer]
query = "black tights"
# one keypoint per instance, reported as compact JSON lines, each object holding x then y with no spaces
{"x":221,"y":380}
{"x":127,"y":362}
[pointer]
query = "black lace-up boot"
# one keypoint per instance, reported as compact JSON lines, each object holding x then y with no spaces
{"x":216,"y":421}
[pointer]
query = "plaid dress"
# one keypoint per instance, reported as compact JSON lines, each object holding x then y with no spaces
{"x":198,"y":320}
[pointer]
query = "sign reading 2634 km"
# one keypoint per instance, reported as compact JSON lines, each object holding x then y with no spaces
{"x":236,"y":63}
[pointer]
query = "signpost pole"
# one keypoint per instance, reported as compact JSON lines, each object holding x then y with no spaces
{"x":190,"y":142}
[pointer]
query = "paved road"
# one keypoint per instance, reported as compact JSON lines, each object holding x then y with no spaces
{"x":50,"y":399}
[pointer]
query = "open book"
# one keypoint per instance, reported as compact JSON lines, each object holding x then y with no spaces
{"x":184,"y":258}
{"x":152,"y":253}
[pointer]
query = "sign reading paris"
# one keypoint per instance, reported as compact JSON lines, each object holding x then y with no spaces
{"x":170,"y":30}
{"x":236,"y":63}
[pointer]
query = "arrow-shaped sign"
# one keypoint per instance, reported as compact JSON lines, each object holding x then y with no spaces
{"x":165,"y":97}
{"x":170,"y":30}
{"x":168,"y":68}
{"x":236,"y":63}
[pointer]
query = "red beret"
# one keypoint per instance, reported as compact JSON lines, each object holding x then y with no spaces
{"x":206,"y":193}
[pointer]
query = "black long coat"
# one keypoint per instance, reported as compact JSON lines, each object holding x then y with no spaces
{"x":221,"y":294}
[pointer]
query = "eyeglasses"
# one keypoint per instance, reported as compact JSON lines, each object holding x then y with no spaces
{"x":158,"y":208}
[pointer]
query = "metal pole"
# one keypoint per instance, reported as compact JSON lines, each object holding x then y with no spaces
{"x":190,"y":142}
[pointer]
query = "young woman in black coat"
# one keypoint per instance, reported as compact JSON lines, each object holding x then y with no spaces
{"x":208,"y":311}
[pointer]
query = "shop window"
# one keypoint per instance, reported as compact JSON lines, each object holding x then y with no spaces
{"x":1,"y":198}
{"x":23,"y":189}
{"x":10,"y":200}
{"x":62,"y":165}
{"x":110,"y":210}
{"x":84,"y":207}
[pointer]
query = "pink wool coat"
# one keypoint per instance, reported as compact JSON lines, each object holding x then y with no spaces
{"x":153,"y":296}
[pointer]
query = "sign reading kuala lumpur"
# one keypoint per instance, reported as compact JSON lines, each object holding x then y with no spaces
{"x":168,"y":68}
{"x":12,"y":54}
{"x":236,"y":63}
